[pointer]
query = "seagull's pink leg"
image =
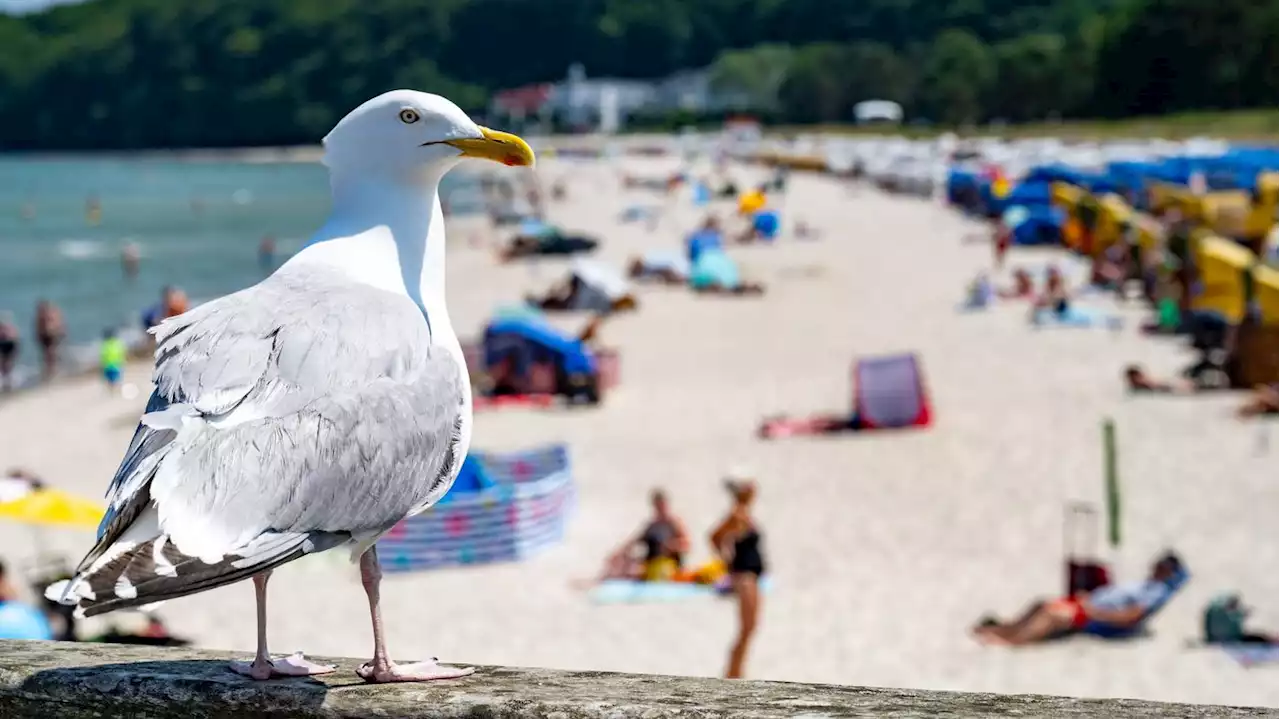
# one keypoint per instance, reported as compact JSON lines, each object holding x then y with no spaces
{"x":381,"y":669}
{"x":263,"y":666}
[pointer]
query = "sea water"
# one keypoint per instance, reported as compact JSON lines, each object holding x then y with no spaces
{"x":198,"y":226}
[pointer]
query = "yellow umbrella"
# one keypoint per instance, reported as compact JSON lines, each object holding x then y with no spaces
{"x":51,"y":507}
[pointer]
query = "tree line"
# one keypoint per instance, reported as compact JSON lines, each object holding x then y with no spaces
{"x":214,"y":73}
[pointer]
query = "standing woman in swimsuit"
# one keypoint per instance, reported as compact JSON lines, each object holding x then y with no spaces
{"x":737,"y":542}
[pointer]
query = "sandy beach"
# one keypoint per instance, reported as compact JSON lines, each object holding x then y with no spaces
{"x":884,"y":547}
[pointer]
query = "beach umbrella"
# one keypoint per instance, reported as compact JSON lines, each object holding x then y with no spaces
{"x":22,"y":500}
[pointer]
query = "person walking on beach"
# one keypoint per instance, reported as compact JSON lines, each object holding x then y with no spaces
{"x":737,"y":542}
{"x":10,"y":340}
{"x":50,"y":331}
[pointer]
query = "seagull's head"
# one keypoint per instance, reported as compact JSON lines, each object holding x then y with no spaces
{"x":409,"y":135}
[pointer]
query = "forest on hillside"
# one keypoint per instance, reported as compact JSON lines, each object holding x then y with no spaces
{"x":214,"y":73}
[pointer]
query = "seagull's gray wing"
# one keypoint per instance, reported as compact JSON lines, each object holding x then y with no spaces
{"x":291,"y":417}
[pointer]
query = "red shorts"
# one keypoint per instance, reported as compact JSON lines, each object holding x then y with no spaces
{"x":1068,"y":604}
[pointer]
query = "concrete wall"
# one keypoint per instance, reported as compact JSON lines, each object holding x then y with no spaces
{"x":48,"y":680}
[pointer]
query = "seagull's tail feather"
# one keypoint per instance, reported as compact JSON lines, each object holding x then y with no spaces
{"x":155,"y":571}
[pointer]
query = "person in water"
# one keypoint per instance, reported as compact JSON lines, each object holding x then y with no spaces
{"x":10,"y":342}
{"x":267,"y":253}
{"x":665,"y":542}
{"x":737,"y":541}
{"x":50,"y":331}
{"x":130,"y":260}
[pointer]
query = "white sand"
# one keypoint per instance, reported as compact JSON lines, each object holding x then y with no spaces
{"x":885,"y":547}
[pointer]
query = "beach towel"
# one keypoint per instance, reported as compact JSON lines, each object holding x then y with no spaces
{"x":714,"y":268}
{"x":1075,"y":317}
{"x":666,"y":260}
{"x":1249,"y":655}
{"x":626,"y":591}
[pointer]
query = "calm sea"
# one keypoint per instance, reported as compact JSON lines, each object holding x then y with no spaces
{"x":198,"y":226}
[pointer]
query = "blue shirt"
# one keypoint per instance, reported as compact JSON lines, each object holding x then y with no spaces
{"x":701,"y":241}
{"x":1146,"y":595}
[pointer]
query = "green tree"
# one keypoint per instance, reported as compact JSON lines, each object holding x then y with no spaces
{"x":1028,"y":73}
{"x":756,"y":74}
{"x":958,"y":71}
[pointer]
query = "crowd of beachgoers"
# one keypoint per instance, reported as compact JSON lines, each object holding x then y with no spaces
{"x":848,"y":413}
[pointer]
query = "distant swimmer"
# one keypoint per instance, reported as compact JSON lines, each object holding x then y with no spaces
{"x":10,"y":342}
{"x":50,"y":331}
{"x":92,"y":210}
{"x":28,"y":211}
{"x":267,"y":253}
{"x":130,"y":258}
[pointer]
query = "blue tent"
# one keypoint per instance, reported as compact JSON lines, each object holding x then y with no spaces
{"x":526,"y":335}
{"x":1041,"y":225}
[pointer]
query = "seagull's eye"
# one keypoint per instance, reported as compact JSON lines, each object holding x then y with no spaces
{"x":409,"y":116}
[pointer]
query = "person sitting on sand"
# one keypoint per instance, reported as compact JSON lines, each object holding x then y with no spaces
{"x":1023,"y":286}
{"x":665,"y":542}
{"x":1056,"y":296}
{"x":1116,"y":607}
{"x":1262,"y":400}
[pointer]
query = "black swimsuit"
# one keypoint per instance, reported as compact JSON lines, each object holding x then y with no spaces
{"x":746,"y":554}
{"x":656,"y":538}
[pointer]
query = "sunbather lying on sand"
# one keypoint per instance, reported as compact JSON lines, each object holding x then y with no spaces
{"x":1139,"y":381}
{"x":664,"y":541}
{"x":781,"y":426}
{"x":638,"y":268}
{"x":1107,"y":610}
{"x":1261,"y":401}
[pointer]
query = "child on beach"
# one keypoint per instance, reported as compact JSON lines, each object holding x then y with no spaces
{"x":113,"y":354}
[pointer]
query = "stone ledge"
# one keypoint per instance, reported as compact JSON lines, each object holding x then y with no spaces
{"x":43,"y":680}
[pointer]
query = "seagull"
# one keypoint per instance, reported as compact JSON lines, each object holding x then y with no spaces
{"x":314,"y":410}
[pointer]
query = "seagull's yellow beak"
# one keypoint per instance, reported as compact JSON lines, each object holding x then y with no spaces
{"x":497,"y":146}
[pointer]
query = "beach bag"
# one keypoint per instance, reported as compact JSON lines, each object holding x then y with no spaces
{"x":1084,"y":572}
{"x":1223,"y":620}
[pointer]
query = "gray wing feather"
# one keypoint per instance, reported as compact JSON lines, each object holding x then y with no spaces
{"x":302,"y":407}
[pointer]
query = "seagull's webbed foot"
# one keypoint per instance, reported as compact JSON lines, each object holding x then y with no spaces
{"x":376,"y":672}
{"x":294,"y":665}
